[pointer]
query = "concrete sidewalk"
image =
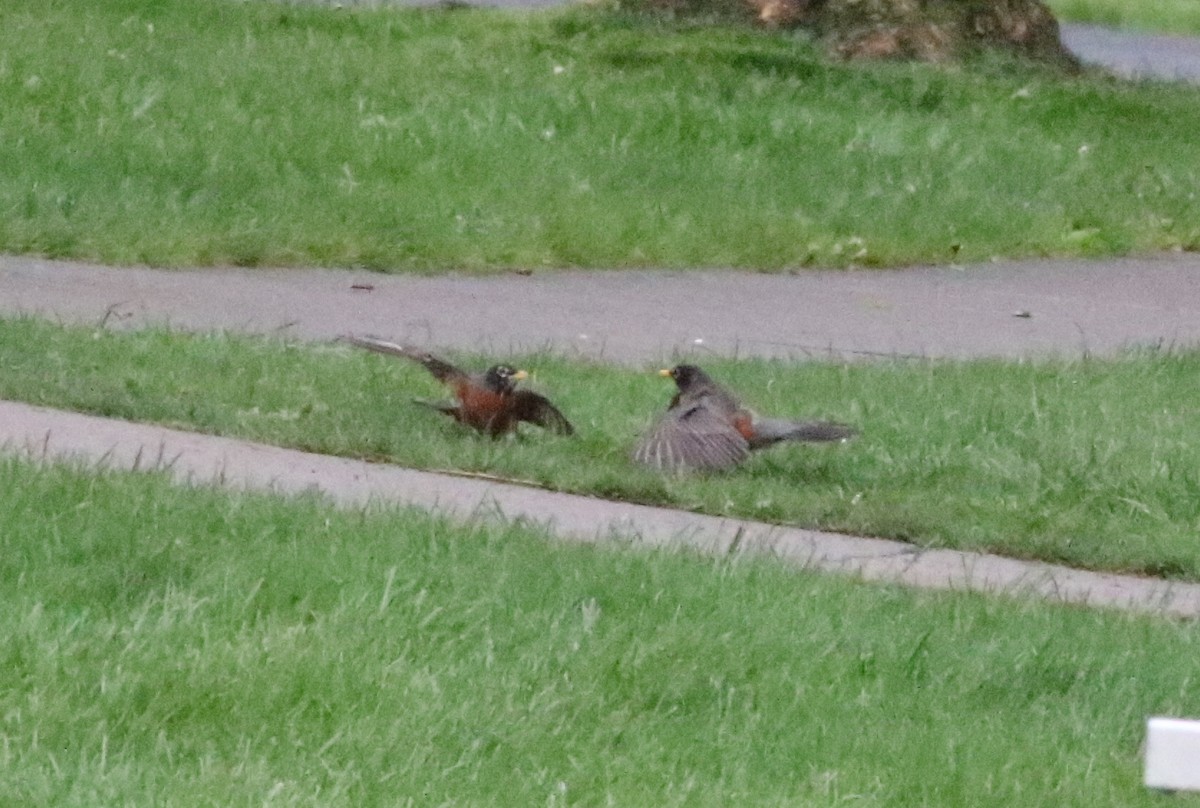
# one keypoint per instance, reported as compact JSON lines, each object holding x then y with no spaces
{"x":1008,"y":309}
{"x":50,"y":435}
{"x":1135,"y":54}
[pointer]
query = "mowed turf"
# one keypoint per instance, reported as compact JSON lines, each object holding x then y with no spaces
{"x":1173,"y":16}
{"x":1089,"y":462}
{"x":260,"y":133}
{"x":177,"y":647}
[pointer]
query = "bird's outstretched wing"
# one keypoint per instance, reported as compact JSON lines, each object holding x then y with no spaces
{"x":692,"y":437}
{"x":537,"y":409}
{"x":442,"y":370}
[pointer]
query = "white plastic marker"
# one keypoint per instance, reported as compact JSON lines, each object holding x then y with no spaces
{"x":1173,"y":754}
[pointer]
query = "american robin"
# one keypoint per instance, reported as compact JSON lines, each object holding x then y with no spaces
{"x":705,"y":428}
{"x":489,"y":402}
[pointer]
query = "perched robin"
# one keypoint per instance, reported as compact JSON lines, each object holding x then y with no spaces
{"x":705,"y":428}
{"x":489,"y":402}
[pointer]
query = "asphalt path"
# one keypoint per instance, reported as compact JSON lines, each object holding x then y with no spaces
{"x":1006,"y":309}
{"x":1135,"y":54}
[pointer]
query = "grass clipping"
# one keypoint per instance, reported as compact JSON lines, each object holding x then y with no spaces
{"x":923,"y":30}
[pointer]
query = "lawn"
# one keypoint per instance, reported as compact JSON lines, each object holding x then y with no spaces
{"x":1171,"y":16}
{"x":1088,"y":462}
{"x":172,"y":646}
{"x":182,"y":647}
{"x":415,"y":140}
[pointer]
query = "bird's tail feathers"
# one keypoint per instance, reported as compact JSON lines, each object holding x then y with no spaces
{"x":773,"y":430}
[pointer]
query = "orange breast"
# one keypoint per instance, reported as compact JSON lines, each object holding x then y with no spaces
{"x":743,"y":422}
{"x":482,"y":408}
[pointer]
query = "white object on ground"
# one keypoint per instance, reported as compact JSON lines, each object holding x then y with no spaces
{"x":1173,"y":754}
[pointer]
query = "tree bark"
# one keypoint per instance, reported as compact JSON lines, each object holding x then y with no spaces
{"x":925,"y":30}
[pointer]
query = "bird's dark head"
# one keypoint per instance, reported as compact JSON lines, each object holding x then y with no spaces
{"x":503,"y":378}
{"x":686,"y":376}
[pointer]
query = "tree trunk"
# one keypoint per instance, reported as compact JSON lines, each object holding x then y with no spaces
{"x":926,"y":30}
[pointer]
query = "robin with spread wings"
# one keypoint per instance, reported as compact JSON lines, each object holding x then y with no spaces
{"x":489,"y":402}
{"x":705,"y":428}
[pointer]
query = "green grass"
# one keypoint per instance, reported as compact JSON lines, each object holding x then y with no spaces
{"x":253,"y":133}
{"x":1173,"y":16}
{"x":176,"y":647}
{"x":1091,"y":463}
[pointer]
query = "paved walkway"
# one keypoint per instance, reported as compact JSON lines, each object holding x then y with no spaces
{"x":1072,"y":307}
{"x":1133,"y":54}
{"x":53,"y":435}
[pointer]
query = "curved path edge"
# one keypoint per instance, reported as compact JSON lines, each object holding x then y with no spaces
{"x":1067,"y":307}
{"x":48,"y":435}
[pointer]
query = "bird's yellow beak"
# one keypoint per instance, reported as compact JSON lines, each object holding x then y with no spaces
{"x":519,"y":375}
{"x":665,"y":373}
